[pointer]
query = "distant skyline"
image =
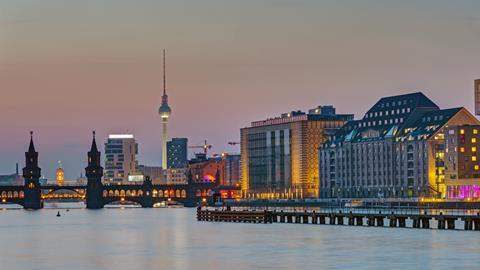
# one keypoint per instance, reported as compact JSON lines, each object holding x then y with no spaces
{"x":70,"y":67}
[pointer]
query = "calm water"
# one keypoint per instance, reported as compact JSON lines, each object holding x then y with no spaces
{"x":172,"y":239}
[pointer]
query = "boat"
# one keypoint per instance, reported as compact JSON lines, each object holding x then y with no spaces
{"x":58,"y":214}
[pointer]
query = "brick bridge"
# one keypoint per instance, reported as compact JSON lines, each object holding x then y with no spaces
{"x":32,"y":194}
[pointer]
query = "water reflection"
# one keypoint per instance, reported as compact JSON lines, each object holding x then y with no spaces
{"x":172,"y":239}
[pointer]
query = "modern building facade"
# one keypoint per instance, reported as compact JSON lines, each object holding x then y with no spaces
{"x":177,"y":150}
{"x":120,"y":158}
{"x":232,"y":170}
{"x":462,"y":161}
{"x":279,"y":156}
{"x":396,"y":150}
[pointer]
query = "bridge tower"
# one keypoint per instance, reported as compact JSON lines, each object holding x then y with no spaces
{"x":94,"y":174}
{"x":31,"y":174}
{"x":147,"y":189}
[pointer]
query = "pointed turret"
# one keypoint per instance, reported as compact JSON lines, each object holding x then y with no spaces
{"x":94,"y":174}
{"x":31,"y":148}
{"x":31,"y":175}
{"x":94,"y":149}
{"x":31,"y":169}
{"x":94,"y":170}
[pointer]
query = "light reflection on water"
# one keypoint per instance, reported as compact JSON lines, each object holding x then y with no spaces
{"x":172,"y":239}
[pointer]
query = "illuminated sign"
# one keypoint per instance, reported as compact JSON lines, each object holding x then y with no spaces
{"x":208,"y":178}
{"x":120,"y":136}
{"x":135,"y":178}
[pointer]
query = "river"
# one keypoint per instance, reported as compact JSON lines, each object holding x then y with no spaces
{"x":163,"y":238}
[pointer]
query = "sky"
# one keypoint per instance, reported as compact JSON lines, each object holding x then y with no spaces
{"x":69,"y":67}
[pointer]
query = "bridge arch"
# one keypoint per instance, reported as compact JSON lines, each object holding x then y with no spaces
{"x":63,"y":193}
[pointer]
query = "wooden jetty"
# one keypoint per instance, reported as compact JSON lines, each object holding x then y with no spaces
{"x":370,"y":218}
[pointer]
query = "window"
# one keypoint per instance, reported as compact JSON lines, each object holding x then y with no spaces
{"x":462,"y":149}
{"x":474,"y":158}
{"x":474,"y":149}
{"x":476,"y":167}
{"x":474,"y":140}
{"x":475,"y":131}
{"x":462,"y":131}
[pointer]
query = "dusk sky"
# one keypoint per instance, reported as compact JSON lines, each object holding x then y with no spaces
{"x":70,"y":67}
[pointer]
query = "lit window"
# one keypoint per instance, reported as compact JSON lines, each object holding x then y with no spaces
{"x":462,"y":131}
{"x":474,"y":149}
{"x":475,"y":131}
{"x":474,"y":158}
{"x":462,"y":149}
{"x":474,"y":140}
{"x":476,"y":167}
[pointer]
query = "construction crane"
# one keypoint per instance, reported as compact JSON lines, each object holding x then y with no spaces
{"x":205,"y":147}
{"x":233,"y":143}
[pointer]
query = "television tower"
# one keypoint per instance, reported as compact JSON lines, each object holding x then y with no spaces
{"x":164,"y":112}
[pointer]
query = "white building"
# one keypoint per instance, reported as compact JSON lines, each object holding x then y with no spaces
{"x":120,"y":158}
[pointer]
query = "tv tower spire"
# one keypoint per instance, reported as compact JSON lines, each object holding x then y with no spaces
{"x":164,"y":112}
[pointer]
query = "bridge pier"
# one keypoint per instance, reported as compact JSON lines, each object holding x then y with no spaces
{"x":322,"y":219}
{"x":468,"y":224}
{"x":359,"y":220}
{"x":314,"y":218}
{"x":305,"y":219}
{"x":380,"y":221}
{"x":402,"y":222}
{"x":476,"y":223}
{"x":416,"y":222}
{"x":351,"y":220}
{"x":441,"y":224}
{"x":332,"y":219}
{"x":392,"y":220}
{"x":340,"y":219}
{"x":425,"y":222}
{"x":371,"y":221}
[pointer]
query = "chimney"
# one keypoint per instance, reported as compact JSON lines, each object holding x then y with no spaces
{"x":16,"y":171}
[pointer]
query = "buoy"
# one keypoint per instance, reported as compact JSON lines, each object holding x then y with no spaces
{"x":68,"y":210}
{"x":58,"y":214}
